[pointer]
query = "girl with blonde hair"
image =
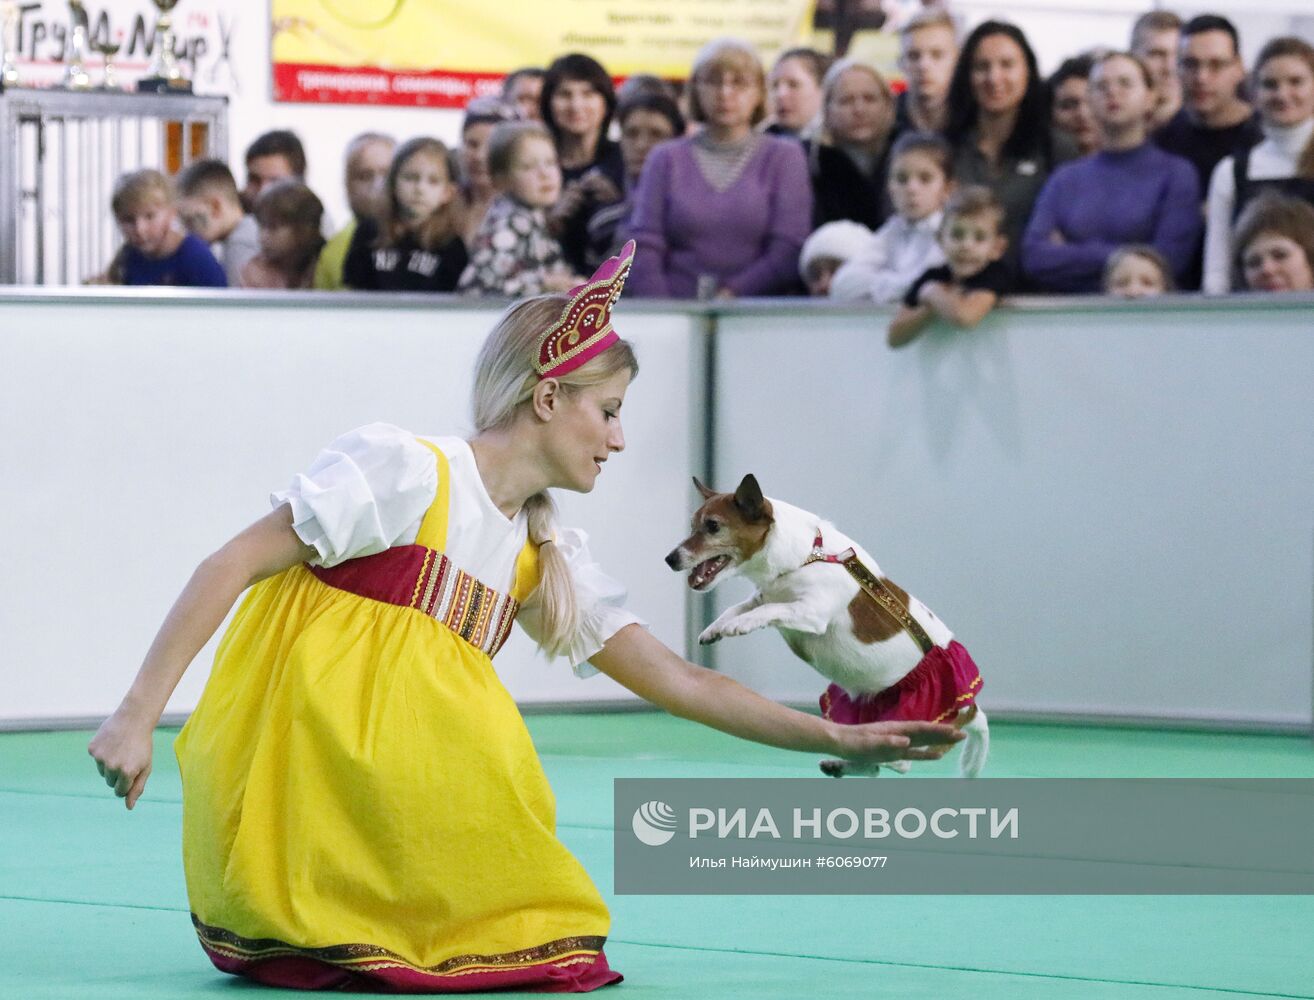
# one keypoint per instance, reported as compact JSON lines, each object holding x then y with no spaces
{"x":362,"y":804}
{"x":514,"y":252}
{"x":156,"y":249}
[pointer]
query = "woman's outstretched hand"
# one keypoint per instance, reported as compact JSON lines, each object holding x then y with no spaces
{"x":879,"y":742}
{"x":635,"y":658}
{"x":122,"y":749}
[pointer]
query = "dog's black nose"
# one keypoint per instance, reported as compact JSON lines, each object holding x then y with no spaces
{"x":673,"y":559}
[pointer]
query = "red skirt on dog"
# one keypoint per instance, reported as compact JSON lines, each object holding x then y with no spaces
{"x":944,"y":683}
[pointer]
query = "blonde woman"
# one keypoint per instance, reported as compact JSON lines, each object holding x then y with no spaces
{"x":725,"y":212}
{"x":847,"y":161}
{"x":362,"y":804}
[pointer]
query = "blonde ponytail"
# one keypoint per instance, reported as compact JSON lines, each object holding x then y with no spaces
{"x":504,"y":382}
{"x":556,"y":589}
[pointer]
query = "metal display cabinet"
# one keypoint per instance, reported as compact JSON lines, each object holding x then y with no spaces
{"x":60,"y":154}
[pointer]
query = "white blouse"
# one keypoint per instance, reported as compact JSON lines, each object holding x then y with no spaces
{"x":896,"y":257}
{"x":369,"y":490}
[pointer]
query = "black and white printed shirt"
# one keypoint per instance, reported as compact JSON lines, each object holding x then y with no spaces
{"x":403,"y":266}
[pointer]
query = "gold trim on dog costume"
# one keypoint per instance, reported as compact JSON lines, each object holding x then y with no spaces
{"x":874,"y":588}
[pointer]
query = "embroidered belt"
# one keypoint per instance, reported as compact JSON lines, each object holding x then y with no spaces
{"x":414,"y":576}
{"x":477,"y":613}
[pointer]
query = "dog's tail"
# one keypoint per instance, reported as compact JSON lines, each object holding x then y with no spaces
{"x":976,"y":747}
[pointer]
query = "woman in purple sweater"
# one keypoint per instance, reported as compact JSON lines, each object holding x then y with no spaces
{"x":725,"y":212}
{"x":1129,"y":192}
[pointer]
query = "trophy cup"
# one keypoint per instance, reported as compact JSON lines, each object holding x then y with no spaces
{"x":76,"y":76}
{"x":108,"y":50}
{"x":8,"y":43}
{"x":166,"y":75}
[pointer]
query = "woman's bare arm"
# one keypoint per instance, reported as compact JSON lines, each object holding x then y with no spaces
{"x":122,"y":745}
{"x":635,"y":659}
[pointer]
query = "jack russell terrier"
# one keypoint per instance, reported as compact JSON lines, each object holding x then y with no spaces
{"x":889,"y":657}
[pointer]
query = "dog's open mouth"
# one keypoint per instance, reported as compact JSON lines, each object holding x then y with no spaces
{"x":705,"y":572}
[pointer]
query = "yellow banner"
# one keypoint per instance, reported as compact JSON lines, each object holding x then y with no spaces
{"x":441,"y":52}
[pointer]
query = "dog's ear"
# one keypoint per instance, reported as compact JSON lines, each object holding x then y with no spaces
{"x":706,"y":491}
{"x":749,"y":500}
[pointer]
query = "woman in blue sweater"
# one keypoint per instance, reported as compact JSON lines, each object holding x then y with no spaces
{"x":1129,"y":192}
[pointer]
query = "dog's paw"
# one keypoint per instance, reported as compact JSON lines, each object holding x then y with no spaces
{"x":852,"y":769}
{"x":834,"y":768}
{"x":710,"y":635}
{"x":724,"y":630}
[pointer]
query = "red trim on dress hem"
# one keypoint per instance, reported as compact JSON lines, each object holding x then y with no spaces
{"x":581,"y":974}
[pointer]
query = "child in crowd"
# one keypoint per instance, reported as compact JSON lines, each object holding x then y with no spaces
{"x":415,"y":245}
{"x":1274,"y":243}
{"x":289,"y":216}
{"x":966,"y":288}
{"x":482,"y":115}
{"x":156,"y":249}
{"x":828,"y":249}
{"x":514,"y":254}
{"x":209,"y":205}
{"x":1137,"y":272}
{"x":906,"y":245}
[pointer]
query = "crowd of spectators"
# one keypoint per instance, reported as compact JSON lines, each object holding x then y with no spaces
{"x":1164,"y":167}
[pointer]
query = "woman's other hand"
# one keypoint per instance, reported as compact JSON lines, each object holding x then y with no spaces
{"x":122,"y":749}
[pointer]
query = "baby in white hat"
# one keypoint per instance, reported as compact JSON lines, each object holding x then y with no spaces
{"x":827,"y":249}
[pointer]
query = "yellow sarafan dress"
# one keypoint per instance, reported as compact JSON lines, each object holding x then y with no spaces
{"x":362,"y":805}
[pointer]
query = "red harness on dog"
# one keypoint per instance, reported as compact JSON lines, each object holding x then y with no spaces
{"x":875,"y":588}
{"x":944,"y":683}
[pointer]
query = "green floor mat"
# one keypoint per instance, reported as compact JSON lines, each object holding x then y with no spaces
{"x":93,"y":903}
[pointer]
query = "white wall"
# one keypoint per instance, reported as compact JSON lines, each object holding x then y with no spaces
{"x":141,"y":431}
{"x":1113,"y":507}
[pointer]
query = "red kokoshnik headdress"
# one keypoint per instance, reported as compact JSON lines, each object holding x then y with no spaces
{"x":584,"y":330}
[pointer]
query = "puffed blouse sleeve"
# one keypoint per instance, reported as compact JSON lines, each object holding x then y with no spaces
{"x":601,"y":601}
{"x":365,"y":492}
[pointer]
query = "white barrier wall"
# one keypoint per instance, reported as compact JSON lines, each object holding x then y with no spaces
{"x":141,"y":431}
{"x":1113,"y":506}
